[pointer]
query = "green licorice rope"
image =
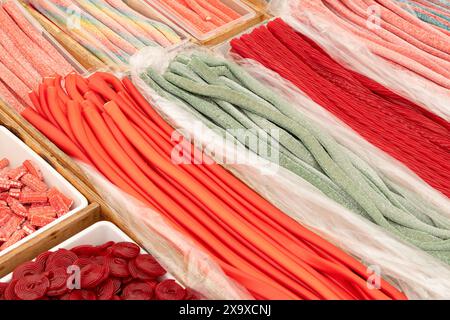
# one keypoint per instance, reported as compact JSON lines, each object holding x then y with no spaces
{"x":224,"y":96}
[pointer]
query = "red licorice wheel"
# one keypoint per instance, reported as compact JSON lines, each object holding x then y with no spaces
{"x":91,"y":275}
{"x":32,"y":287}
{"x":105,"y":246}
{"x":42,"y":258}
{"x":3,"y":287}
{"x":118,"y":267}
{"x":116,"y":298}
{"x":137,"y":291}
{"x":191,"y":295}
{"x":82,"y":295}
{"x":58,"y":278}
{"x":136,"y":273}
{"x":169,"y":290}
{"x":106,"y":290}
{"x":60,"y":258}
{"x":9,"y":293}
{"x":148,"y":264}
{"x":125,"y":250}
{"x":117,"y":283}
{"x":85,"y":251}
{"x":151,"y":283}
{"x":27,"y":269}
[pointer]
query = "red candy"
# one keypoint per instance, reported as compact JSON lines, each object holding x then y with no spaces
{"x":3,"y":287}
{"x":137,"y":291}
{"x":15,"y":237}
{"x":27,"y":269}
{"x":118,"y":267}
{"x":34,"y":183}
{"x":40,"y":221}
{"x":33,"y":197}
{"x":61,"y":258}
{"x":85,"y":250}
{"x":106,"y":290}
{"x":17,"y":207}
{"x":105,"y":274}
{"x":9,"y":293}
{"x":136,"y":273}
{"x":82,"y":295}
{"x":58,"y":204}
{"x":31,"y":287}
{"x":4,"y":163}
{"x":17,"y":173}
{"x":33,"y":169}
{"x":42,"y":211}
{"x":91,"y":275}
{"x":42,"y":259}
{"x":28,"y":228}
{"x":58,"y":282}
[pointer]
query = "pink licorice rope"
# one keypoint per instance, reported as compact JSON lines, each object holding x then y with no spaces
{"x":396,"y":15}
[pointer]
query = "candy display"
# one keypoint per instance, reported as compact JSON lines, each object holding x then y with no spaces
{"x":224,"y":149}
{"x":27,"y":203}
{"x":109,"y":29}
{"x":111,"y":271}
{"x":27,"y":56}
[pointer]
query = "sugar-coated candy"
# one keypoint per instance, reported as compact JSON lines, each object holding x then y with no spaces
{"x":103,"y":276}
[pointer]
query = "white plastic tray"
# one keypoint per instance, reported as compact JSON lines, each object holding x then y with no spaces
{"x":16,"y":151}
{"x":245,"y":11}
{"x":97,"y":234}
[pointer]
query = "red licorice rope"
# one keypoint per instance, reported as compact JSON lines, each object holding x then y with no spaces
{"x":406,"y":131}
{"x":107,"y":123}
